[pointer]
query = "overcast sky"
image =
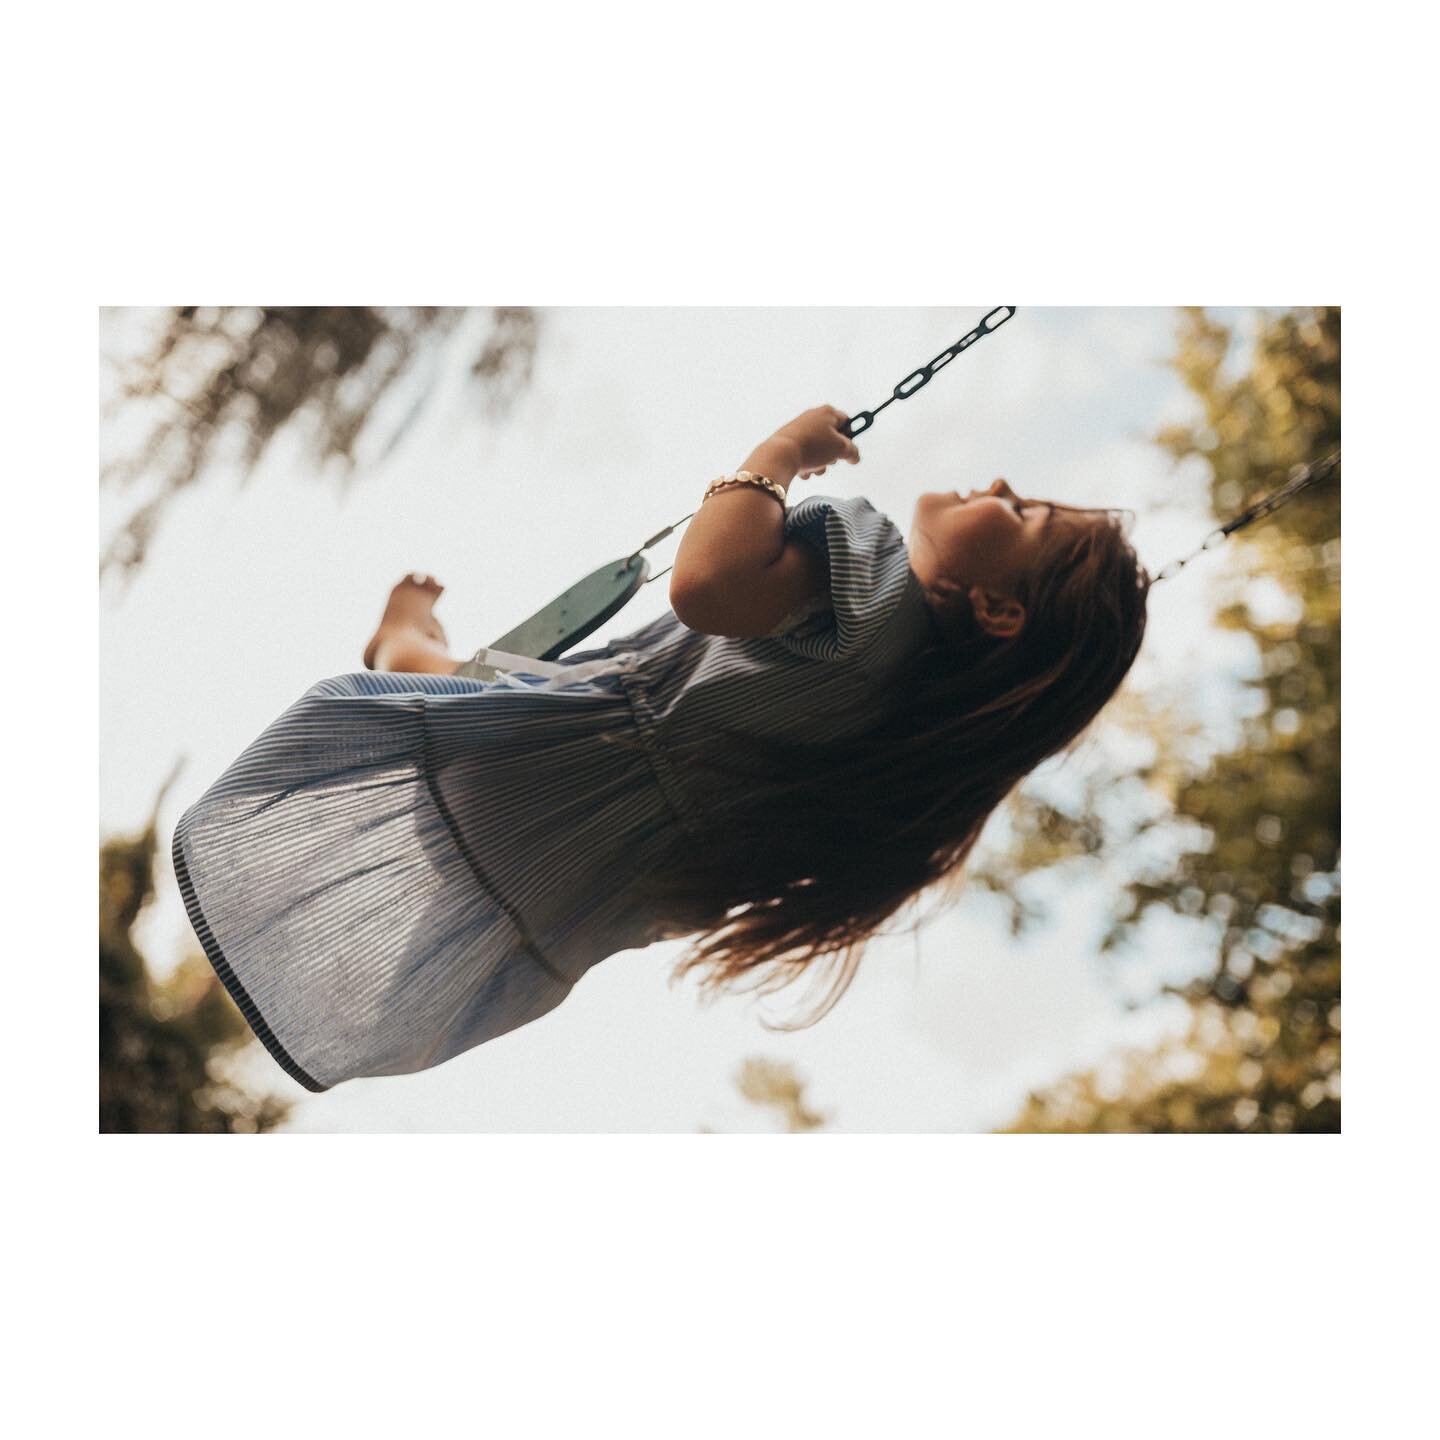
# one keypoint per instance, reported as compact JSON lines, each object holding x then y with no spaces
{"x":252,"y":594}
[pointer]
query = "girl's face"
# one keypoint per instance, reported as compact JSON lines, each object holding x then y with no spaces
{"x":987,"y":537}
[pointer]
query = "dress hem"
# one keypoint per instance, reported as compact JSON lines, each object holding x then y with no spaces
{"x":238,"y":993}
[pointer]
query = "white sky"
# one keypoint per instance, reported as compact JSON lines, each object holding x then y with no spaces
{"x":252,"y":594}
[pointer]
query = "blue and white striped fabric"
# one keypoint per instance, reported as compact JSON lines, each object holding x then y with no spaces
{"x":404,"y":866}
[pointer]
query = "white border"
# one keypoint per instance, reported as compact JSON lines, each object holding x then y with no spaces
{"x":763,"y":155}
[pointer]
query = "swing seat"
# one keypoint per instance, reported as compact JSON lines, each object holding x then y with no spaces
{"x":570,"y":616}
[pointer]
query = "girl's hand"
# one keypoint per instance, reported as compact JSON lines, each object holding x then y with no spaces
{"x":820,"y":439}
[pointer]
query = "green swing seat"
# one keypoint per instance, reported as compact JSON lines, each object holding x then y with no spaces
{"x":569,"y":617}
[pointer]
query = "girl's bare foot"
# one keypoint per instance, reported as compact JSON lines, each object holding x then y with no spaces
{"x":410,"y":639}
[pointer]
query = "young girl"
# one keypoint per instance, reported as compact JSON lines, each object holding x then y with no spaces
{"x":422,"y":856}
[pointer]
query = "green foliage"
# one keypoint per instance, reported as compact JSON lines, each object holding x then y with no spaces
{"x":1262,"y":1049}
{"x":163,"y":1045}
{"x":212,"y":380}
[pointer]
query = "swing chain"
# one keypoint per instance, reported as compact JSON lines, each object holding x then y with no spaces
{"x":1302,"y":477}
{"x":632,"y":560}
{"x":918,"y":379}
{"x":859,"y":423}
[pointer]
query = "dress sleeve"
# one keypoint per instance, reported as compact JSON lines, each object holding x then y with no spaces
{"x":874,"y":606}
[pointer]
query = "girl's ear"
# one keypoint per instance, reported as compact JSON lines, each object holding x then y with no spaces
{"x":1000,"y":615}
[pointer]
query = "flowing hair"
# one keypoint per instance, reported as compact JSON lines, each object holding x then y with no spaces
{"x":816,"y":845}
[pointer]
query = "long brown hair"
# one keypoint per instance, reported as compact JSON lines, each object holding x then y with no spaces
{"x":823,"y":842}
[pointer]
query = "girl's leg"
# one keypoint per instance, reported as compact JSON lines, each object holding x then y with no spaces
{"x":410,"y":639}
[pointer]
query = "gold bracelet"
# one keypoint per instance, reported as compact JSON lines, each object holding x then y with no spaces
{"x":744,"y":477}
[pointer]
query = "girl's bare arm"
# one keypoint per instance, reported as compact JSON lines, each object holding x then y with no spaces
{"x":734,"y":574}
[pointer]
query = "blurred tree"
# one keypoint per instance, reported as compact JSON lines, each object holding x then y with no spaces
{"x":206,"y":383}
{"x":1261,"y":864}
{"x":163,"y":1045}
{"x":775,"y":1084}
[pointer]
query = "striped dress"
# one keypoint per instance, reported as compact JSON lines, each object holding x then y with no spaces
{"x":404,"y":866}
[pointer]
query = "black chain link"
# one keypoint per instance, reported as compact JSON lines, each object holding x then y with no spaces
{"x":918,"y":379}
{"x":1302,"y":477}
